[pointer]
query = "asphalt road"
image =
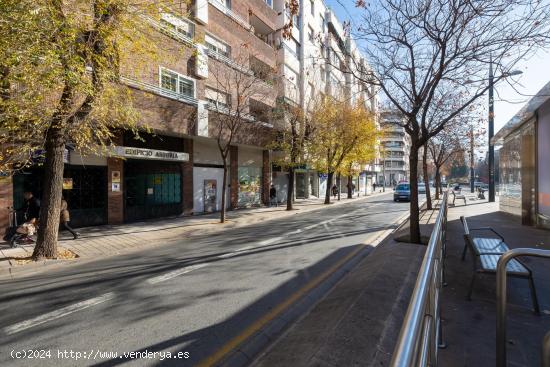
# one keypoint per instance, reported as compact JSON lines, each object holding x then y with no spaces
{"x":189,"y":297}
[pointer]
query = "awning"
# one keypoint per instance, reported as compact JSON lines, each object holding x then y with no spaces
{"x":526,"y":113}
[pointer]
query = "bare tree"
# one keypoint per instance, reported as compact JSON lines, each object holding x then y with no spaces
{"x":424,"y":52}
{"x":239,"y":96}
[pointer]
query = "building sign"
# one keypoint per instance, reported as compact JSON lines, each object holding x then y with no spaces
{"x":67,"y":183}
{"x":115,"y":187}
{"x":115,"y":176}
{"x":142,"y":153}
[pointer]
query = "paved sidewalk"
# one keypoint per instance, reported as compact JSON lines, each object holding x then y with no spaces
{"x":110,"y":240}
{"x":469,"y":327}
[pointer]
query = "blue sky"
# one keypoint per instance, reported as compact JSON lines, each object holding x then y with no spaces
{"x":536,"y":73}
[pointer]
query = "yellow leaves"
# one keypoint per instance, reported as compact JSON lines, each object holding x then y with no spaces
{"x":344,"y":135}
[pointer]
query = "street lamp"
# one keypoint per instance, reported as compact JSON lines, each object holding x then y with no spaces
{"x":492,"y":129}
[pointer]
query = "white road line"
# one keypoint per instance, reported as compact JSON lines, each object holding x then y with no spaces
{"x":236,"y":252}
{"x":20,"y":326}
{"x":175,"y":273}
{"x":269,"y":241}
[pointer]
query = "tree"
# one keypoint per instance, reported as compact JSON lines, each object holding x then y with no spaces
{"x":60,"y":65}
{"x":424,"y":52}
{"x":339,"y":129}
{"x":236,"y":88}
{"x":292,"y":141}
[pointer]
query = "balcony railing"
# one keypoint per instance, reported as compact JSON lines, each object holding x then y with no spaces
{"x":227,"y":111}
{"x":230,"y":13}
{"x":155,"y":89}
{"x":226,"y":60}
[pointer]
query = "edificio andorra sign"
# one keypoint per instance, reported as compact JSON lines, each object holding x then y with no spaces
{"x":142,"y":153}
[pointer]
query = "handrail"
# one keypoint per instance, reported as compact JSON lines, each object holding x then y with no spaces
{"x":420,"y":335}
{"x":546,"y":350}
{"x":501,"y":295}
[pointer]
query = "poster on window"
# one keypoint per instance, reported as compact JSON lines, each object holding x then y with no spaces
{"x":67,"y":183}
{"x":210,"y":191}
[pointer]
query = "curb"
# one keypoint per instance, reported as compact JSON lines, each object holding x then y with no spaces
{"x":250,"y":349}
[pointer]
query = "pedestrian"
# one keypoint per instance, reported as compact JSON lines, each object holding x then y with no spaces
{"x":31,"y":215}
{"x":353,"y":189}
{"x":334,"y":190}
{"x":273,"y":196}
{"x":374,"y":187}
{"x":65,"y":218}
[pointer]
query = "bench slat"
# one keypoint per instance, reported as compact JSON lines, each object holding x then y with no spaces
{"x":484,"y":245}
{"x":489,"y":263}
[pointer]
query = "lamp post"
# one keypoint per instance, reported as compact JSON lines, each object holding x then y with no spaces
{"x":491,"y":162}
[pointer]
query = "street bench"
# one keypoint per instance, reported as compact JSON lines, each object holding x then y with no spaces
{"x":487,"y":251}
{"x":457,"y":194}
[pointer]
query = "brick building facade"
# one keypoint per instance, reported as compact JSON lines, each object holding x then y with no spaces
{"x":175,"y":168}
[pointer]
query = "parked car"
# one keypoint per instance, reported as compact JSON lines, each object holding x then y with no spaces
{"x":402,"y":192}
{"x":421,"y":188}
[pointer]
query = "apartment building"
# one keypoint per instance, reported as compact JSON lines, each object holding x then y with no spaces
{"x":395,"y":149}
{"x":313,"y":62}
{"x":176,"y":168}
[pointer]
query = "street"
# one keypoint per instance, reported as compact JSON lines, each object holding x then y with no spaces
{"x":196,"y":297}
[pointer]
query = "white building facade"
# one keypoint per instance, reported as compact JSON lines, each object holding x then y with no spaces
{"x":395,"y":149}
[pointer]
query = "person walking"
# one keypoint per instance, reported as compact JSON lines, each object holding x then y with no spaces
{"x":334,"y":190}
{"x":65,"y":218}
{"x":273,"y":196}
{"x":373,"y":187}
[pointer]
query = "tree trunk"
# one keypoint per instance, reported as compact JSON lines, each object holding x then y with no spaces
{"x":46,"y":244}
{"x":224,"y":190}
{"x":349,"y":187}
{"x":328,"y":191}
{"x":426,"y":177}
{"x":290,"y":189}
{"x":339,"y":184}
{"x":413,"y":180}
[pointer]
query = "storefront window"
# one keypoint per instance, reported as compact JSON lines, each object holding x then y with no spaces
{"x":250,"y":179}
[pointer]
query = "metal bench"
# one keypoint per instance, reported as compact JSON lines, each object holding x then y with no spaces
{"x":487,"y":252}
{"x":458,"y":195}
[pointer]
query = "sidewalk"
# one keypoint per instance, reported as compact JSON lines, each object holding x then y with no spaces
{"x":469,"y":327}
{"x":110,"y":240}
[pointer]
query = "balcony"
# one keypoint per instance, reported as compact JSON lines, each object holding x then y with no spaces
{"x":155,"y":89}
{"x":262,"y":16}
{"x":230,"y":13}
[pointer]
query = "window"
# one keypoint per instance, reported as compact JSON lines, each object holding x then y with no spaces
{"x":217,"y":98}
{"x":312,"y":7}
{"x":217,"y":46}
{"x":323,"y":24}
{"x":310,"y":34}
{"x":177,"y":24}
{"x":226,"y":3}
{"x":269,"y":3}
{"x":177,"y":83}
{"x":293,"y":46}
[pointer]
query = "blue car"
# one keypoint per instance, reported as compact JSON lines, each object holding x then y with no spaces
{"x":402,"y":192}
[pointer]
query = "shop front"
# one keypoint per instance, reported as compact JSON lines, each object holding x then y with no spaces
{"x":84,"y":188}
{"x":151,"y":178}
{"x":250,"y":177}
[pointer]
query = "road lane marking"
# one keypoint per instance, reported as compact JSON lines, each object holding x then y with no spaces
{"x":269,"y":241}
{"x":175,"y":273}
{"x":238,"y":251}
{"x":20,"y":326}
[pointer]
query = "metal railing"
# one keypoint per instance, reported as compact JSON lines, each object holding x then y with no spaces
{"x":421,"y":335}
{"x":546,"y":350}
{"x":501,"y":299}
{"x":155,"y":89}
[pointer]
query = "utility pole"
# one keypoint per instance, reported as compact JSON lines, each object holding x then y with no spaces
{"x":472,"y":184}
{"x":491,"y":133}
